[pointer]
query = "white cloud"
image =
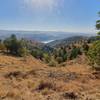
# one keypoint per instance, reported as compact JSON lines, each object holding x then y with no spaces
{"x":44,"y":4}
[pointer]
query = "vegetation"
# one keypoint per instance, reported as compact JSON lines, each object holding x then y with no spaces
{"x":94,"y":54}
{"x":60,"y":55}
{"x":2,"y":46}
{"x":46,"y":57}
{"x":37,"y":53}
{"x":15,"y":46}
{"x":75,"y":52}
{"x":94,"y":50}
{"x":52,"y":63}
{"x":85,"y":47}
{"x":53,"y":57}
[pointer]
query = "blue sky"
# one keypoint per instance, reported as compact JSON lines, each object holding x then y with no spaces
{"x":49,"y":15}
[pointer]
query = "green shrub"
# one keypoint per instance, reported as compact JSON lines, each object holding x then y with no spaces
{"x":12,"y":44}
{"x":59,"y":59}
{"x":75,"y":52}
{"x":85,"y":48}
{"x":15,"y":46}
{"x":60,"y":55}
{"x":2,"y":47}
{"x":94,"y":54}
{"x":37,"y":54}
{"x":52,"y":63}
{"x":46,"y":57}
{"x":23,"y":52}
{"x":65,"y":56}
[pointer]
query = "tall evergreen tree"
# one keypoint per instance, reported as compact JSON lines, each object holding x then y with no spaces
{"x":98,"y":25}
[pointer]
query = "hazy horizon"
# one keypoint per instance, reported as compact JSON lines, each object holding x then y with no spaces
{"x":21,"y":30}
{"x":43,"y":36}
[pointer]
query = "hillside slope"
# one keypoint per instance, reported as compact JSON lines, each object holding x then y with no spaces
{"x":67,"y":41}
{"x":30,"y":79}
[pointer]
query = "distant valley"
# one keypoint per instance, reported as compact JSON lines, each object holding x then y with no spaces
{"x":41,"y":36}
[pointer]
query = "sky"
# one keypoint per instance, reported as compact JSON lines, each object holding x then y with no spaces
{"x":49,"y":15}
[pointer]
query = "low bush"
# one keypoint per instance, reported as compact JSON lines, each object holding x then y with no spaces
{"x":94,"y":54}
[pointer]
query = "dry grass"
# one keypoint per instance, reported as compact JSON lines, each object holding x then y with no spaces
{"x":30,"y":79}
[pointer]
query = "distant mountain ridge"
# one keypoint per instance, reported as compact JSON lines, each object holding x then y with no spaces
{"x":67,"y":41}
{"x":42,"y":36}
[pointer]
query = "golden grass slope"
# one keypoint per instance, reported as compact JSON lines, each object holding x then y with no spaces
{"x":30,"y":79}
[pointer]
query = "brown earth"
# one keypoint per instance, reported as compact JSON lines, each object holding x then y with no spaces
{"x":30,"y":79}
